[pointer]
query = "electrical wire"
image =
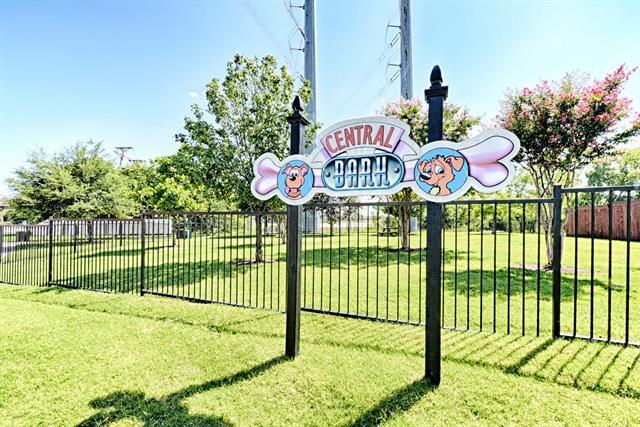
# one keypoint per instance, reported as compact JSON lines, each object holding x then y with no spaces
{"x":265,"y":30}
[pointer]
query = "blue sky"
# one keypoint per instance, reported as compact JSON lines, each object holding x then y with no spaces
{"x":126,"y":72}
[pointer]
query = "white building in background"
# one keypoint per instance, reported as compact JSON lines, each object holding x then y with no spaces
{"x":111,"y":227}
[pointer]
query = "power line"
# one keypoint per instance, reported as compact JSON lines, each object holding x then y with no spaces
{"x":389,"y":49}
{"x":289,"y":8}
{"x":389,"y":83}
{"x":351,"y":96}
{"x":297,"y":29}
{"x":357,"y":61}
{"x":308,"y":34}
{"x":265,"y":30}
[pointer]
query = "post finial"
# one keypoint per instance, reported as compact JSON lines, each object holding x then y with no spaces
{"x":297,"y":104}
{"x":298,"y":109}
{"x":436,"y":75}
{"x":436,"y":90}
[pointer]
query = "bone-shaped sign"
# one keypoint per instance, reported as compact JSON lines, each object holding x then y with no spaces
{"x":375,"y":156}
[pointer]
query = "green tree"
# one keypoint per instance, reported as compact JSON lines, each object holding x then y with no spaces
{"x":457,"y":124}
{"x":564,"y":126}
{"x":248,"y":109}
{"x":78,"y":182}
{"x":520,"y":188}
{"x":621,"y":168}
{"x":333,"y":209}
{"x":161,"y":185}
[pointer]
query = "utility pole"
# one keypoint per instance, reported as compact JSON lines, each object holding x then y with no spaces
{"x":310,"y":54}
{"x":121,"y":152}
{"x":310,"y":74}
{"x":406,"y":63}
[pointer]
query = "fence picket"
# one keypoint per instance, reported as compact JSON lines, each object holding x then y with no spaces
{"x":353,"y":263}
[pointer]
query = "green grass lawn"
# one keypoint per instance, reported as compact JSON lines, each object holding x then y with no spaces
{"x":363,"y":273}
{"x":71,"y":357}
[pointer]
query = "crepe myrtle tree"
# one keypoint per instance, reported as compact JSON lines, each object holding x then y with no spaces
{"x":564,"y":126}
{"x":245,"y":116}
{"x":458,"y":122}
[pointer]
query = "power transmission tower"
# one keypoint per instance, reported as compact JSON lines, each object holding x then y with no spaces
{"x":403,"y":69}
{"x":406,"y":63}
{"x":121,"y":152}
{"x":307,"y":46}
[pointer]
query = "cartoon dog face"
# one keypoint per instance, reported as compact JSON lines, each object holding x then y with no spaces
{"x":295,"y":179}
{"x":439,"y":172}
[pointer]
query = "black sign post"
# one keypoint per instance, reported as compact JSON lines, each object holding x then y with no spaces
{"x":435,"y":97}
{"x":557,"y":258}
{"x":294,"y":240}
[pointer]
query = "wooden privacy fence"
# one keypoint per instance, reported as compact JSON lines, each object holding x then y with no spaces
{"x":601,"y":221}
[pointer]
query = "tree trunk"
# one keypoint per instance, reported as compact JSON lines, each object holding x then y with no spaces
{"x":90,"y":231}
{"x":331,"y":225}
{"x":259,"y":256}
{"x":547,"y":224}
{"x":404,"y":226}
{"x":548,"y":240}
{"x":283,"y":230}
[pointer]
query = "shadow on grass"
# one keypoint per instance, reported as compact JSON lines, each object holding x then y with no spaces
{"x":55,"y":290}
{"x":167,"y":275}
{"x":32,"y":249}
{"x":526,"y":357}
{"x":399,"y":401}
{"x":343,"y":256}
{"x":338,"y":255}
{"x":186,"y":248}
{"x":95,"y":251}
{"x":182,"y":278}
{"x":168,"y":410}
{"x":609,"y":372}
{"x":509,"y":282}
{"x":569,"y":373}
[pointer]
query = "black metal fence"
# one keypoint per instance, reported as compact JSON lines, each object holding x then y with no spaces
{"x":235,"y":258}
{"x":600,"y":284}
{"x":358,"y":262}
{"x":494,"y":274}
{"x":96,"y":254}
{"x":363,"y":260}
{"x":369,"y":260}
{"x":24,"y":252}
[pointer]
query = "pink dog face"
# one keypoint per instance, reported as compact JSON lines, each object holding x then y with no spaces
{"x":439,"y":171}
{"x":294,"y":180}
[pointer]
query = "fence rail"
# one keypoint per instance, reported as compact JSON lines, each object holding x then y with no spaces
{"x":366,"y":260}
{"x":24,"y":253}
{"x":98,"y":254}
{"x":356,"y":262}
{"x":498,"y":279}
{"x":235,"y":258}
{"x":600,"y":302}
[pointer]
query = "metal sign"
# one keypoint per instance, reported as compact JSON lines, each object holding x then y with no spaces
{"x":374,"y":156}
